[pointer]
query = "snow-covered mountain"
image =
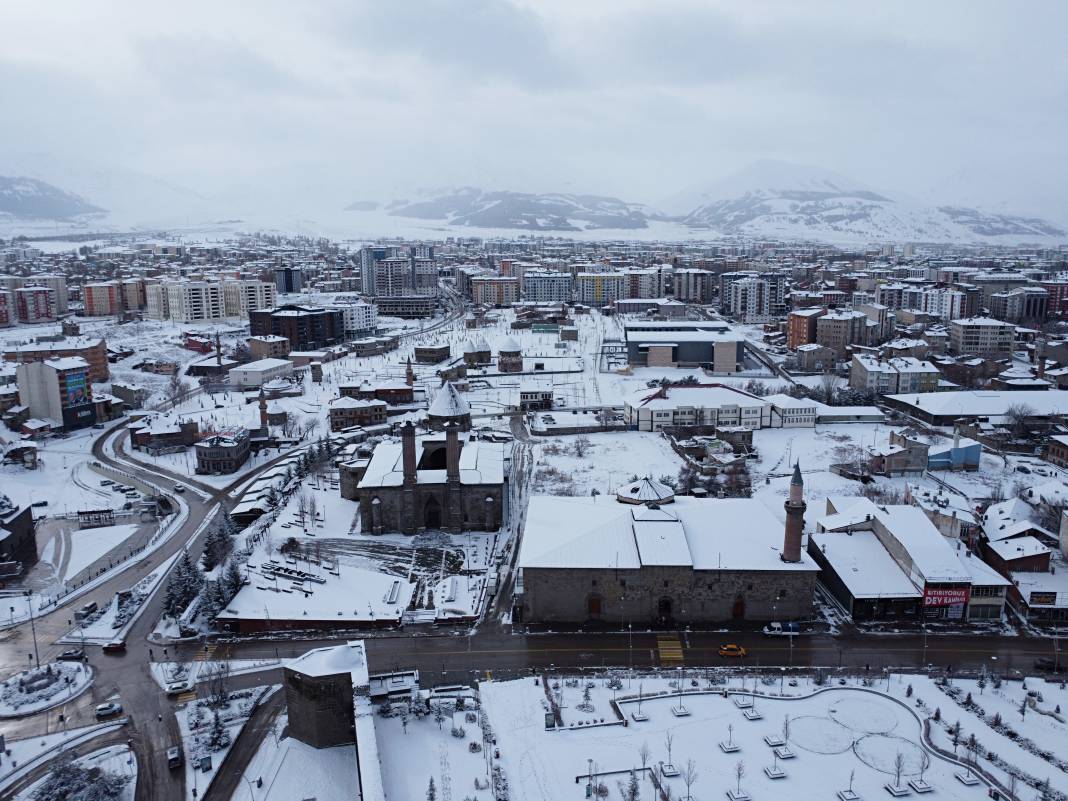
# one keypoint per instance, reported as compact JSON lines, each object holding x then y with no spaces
{"x":522,"y":211}
{"x":30,"y":199}
{"x":772,"y":199}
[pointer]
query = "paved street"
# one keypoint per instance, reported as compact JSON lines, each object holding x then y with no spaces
{"x":442,"y":656}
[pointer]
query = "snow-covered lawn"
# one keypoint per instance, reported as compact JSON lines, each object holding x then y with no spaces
{"x":415,"y":748}
{"x":834,"y":734}
{"x":90,"y":544}
{"x":116,"y":759}
{"x":289,"y":769}
{"x":196,"y":723}
{"x":23,"y":755}
{"x":607,"y":461}
{"x":42,"y":688}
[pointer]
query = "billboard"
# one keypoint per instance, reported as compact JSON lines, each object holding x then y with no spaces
{"x":77,"y":389}
{"x":945,"y":596}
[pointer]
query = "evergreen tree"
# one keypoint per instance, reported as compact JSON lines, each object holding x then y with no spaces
{"x":218,"y":737}
{"x":212,"y":600}
{"x":232,"y":579}
{"x":431,"y":791}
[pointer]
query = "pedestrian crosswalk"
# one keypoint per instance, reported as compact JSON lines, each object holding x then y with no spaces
{"x":186,"y":697}
{"x":205,"y":654}
{"x":669,"y":649}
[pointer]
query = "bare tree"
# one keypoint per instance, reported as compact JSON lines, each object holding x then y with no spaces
{"x":582,"y":446}
{"x":689,"y":777}
{"x":786,"y":729}
{"x":219,"y":684}
{"x":739,"y":772}
{"x":828,"y":384}
{"x":176,"y":388}
{"x":643,"y":755}
{"x":302,"y":509}
{"x":669,"y":741}
{"x":1019,"y":415}
{"x":899,"y":767}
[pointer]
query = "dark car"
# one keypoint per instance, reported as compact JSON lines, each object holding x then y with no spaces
{"x":71,"y":655}
{"x":114,"y":647}
{"x":1049,"y":665}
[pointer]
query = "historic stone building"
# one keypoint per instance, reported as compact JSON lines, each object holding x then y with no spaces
{"x":449,"y":409}
{"x":699,"y":560}
{"x":449,"y":482}
{"x":509,"y":357}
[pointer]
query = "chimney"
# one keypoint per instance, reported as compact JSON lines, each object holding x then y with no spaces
{"x":408,"y":452}
{"x":1064,"y":534}
{"x":218,"y":351}
{"x":795,"y":518}
{"x":452,"y":453}
{"x":1040,"y":353}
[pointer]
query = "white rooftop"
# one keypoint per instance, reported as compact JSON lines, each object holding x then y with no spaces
{"x":349,"y":658}
{"x":481,"y":462}
{"x":864,"y":565}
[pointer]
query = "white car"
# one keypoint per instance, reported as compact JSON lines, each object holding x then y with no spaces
{"x":109,"y":709}
{"x":178,"y":687}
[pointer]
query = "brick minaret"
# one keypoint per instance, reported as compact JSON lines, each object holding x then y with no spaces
{"x":407,"y":512}
{"x":795,"y":518}
{"x":263,"y":410}
{"x":409,"y":374}
{"x":454,"y":494}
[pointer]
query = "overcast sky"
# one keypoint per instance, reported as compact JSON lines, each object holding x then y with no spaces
{"x":354,"y":100}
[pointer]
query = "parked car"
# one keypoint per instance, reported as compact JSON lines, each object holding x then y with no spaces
{"x":730,"y":649}
{"x":71,"y":655}
{"x":1049,"y":665}
{"x":114,"y":647}
{"x":178,"y":687}
{"x":110,"y":709}
{"x":174,"y":757}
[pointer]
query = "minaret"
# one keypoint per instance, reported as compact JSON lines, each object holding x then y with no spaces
{"x":795,"y":517}
{"x":263,"y":410}
{"x":409,"y":373}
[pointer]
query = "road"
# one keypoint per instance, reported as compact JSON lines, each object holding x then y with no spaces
{"x":442,"y":656}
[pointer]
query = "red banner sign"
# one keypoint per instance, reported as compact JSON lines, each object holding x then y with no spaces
{"x":945,"y":596}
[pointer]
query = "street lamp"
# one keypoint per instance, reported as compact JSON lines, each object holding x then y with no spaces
{"x":33,"y":627}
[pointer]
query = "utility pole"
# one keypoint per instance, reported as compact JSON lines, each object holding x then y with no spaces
{"x":33,"y":628}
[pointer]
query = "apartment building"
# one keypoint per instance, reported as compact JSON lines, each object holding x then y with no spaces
{"x":694,"y":286}
{"x":306,"y":327}
{"x":891,"y":376}
{"x":194,"y":301}
{"x":58,"y":284}
{"x":547,"y":286}
{"x":838,"y":329}
{"x":981,"y":336}
{"x":102,"y":299}
{"x":8,"y":313}
{"x":748,"y":300}
{"x":35,"y":304}
{"x":240,"y":296}
{"x":600,"y":289}
{"x":643,"y":283}
{"x":358,"y":317}
{"x":801,"y":326}
{"x":498,"y":290}
{"x":58,"y":390}
{"x":93,"y":351}
{"x":1027,"y":305}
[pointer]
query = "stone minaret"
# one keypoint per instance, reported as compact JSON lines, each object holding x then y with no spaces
{"x":795,"y":518}
{"x":263,"y":410}
{"x":409,"y":374}
{"x":407,"y":512}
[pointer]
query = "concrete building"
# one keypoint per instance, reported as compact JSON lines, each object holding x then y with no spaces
{"x":359,"y":318}
{"x":801,"y":326}
{"x":694,"y":561}
{"x":306,"y":327}
{"x":58,"y":284}
{"x":890,"y":376}
{"x":59,"y":390}
{"x":695,"y":406}
{"x":449,"y":482}
{"x":8,"y":310}
{"x":288,"y":279}
{"x":94,"y":351}
{"x":224,"y":452}
{"x":600,"y":289}
{"x":240,"y":296}
{"x":981,"y":336}
{"x":35,"y":304}
{"x":268,"y":346}
{"x":547,"y":286}
{"x":102,"y":299}
{"x":346,"y":412}
{"x":695,"y":286}
{"x":257,"y":373}
{"x":839,"y":329}
{"x":684,"y":344}
{"x":18,"y":538}
{"x":495,"y":290}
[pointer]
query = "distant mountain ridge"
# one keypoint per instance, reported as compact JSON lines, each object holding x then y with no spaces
{"x":31,"y":199}
{"x":472,"y":207}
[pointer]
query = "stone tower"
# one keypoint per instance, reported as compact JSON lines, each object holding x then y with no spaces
{"x":263,"y":410}
{"x":409,"y":374}
{"x":795,"y":517}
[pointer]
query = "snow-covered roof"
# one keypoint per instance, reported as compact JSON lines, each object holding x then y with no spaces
{"x":347,"y":402}
{"x":985,"y":403}
{"x":265,"y":364}
{"x":983,"y":575}
{"x":509,"y":345}
{"x":349,"y":658}
{"x":448,"y":403}
{"x":864,"y":565}
{"x":699,"y":396}
{"x":718,"y":534}
{"x":645,"y":490}
{"x":1018,"y":548}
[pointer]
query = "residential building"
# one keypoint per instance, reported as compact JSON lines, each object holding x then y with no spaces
{"x":35,"y":304}
{"x":58,"y":390}
{"x":801,"y":326}
{"x":981,"y":336}
{"x":889,"y":376}
{"x":102,"y":299}
{"x":94,"y":351}
{"x":288,"y":279}
{"x":306,"y":327}
{"x":258,"y":373}
{"x":695,"y":286}
{"x":600,"y":289}
{"x":268,"y":346}
{"x":495,"y":290}
{"x":240,"y":296}
{"x":839,"y":329}
{"x":8,"y":311}
{"x":547,"y":286}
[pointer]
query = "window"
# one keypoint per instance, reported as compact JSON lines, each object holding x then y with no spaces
{"x":593,"y":583}
{"x":749,"y":587}
{"x":665,"y":582}
{"x":782,"y":592}
{"x":623,"y":583}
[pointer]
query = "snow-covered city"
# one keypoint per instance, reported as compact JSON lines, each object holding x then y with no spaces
{"x":356,"y":445}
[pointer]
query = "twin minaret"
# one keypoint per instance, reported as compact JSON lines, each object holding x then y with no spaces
{"x":795,"y":518}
